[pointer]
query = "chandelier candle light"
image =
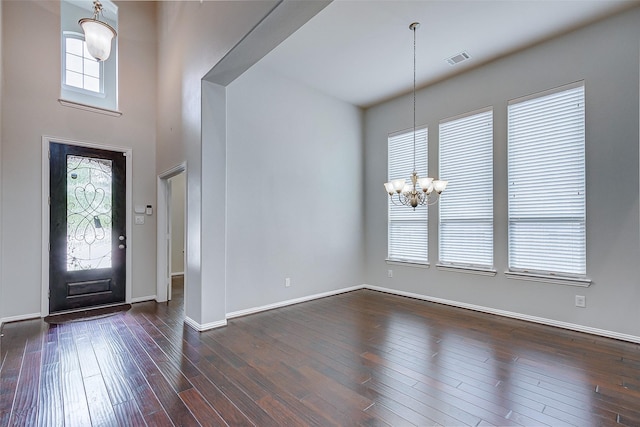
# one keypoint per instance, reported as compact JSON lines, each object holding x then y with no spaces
{"x":97,"y":34}
{"x":421,"y":190}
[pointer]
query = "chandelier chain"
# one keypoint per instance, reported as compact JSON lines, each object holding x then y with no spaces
{"x":97,"y":10}
{"x":421,"y":191}
{"x":414,"y":27}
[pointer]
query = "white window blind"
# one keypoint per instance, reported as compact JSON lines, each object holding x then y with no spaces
{"x":407,"y":233}
{"x":466,"y":207}
{"x":546,"y":149}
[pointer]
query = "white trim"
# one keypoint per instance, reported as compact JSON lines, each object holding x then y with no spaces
{"x":534,"y":319}
{"x":143,"y":299}
{"x":163,"y":198}
{"x":468,"y":114}
{"x":85,"y":107}
{"x":551,"y":91}
{"x":408,"y":130}
{"x":19,"y":318}
{"x":178,"y":273}
{"x":176,"y":170}
{"x":162,"y":226}
{"x":469,"y":270}
{"x":547,"y":278}
{"x":290,"y":302}
{"x":513,"y":315}
{"x":504,"y":313}
{"x":200,"y":328}
{"x":44,"y":278}
{"x":407,"y":263}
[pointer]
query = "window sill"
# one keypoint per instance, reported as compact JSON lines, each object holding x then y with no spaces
{"x":547,"y":278}
{"x":468,"y":270}
{"x":407,"y":263}
{"x":86,"y":107}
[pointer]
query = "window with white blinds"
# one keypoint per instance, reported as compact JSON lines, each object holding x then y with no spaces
{"x":466,"y":207}
{"x":408,"y":234}
{"x":546,"y":149}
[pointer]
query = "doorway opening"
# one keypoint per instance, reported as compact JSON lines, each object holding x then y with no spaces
{"x":177,"y":218}
{"x":172,"y":229}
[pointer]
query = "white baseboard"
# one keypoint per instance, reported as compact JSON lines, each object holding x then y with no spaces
{"x":143,"y":299}
{"x":489,"y":310}
{"x":19,"y":318}
{"x":541,"y":320}
{"x":513,"y":315}
{"x":290,"y":302}
{"x":205,"y":327}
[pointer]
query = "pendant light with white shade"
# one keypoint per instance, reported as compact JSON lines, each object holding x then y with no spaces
{"x":97,"y":34}
{"x":419,"y":191}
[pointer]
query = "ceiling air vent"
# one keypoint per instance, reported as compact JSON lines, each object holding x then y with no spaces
{"x":458,"y":58}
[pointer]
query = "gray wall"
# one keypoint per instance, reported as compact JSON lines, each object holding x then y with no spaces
{"x":294,"y":179}
{"x":192,"y":38}
{"x":605,"y":55}
{"x":1,"y":126}
{"x":31,"y":110}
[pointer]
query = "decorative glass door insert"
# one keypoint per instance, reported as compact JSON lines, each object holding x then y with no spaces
{"x":89,"y":213}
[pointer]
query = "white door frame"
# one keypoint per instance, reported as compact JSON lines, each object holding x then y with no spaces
{"x":128,"y":152}
{"x":163,"y":241}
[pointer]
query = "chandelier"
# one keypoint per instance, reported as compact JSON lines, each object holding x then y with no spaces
{"x":420,"y":191}
{"x":97,"y":34}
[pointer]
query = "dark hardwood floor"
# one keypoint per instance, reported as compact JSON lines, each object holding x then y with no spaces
{"x":360,"y":358}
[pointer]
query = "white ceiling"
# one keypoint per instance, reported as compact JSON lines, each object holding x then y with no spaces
{"x":361,"y":51}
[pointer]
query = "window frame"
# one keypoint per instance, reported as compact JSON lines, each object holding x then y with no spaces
{"x":481,"y":123}
{"x":78,"y":36}
{"x":577,"y":278}
{"x":404,"y":171}
{"x":106,"y":102}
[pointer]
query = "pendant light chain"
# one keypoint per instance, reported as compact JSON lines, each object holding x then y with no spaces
{"x":414,"y":27}
{"x":420,"y":191}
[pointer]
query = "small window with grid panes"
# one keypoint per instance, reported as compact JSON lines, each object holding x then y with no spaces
{"x":81,"y":70}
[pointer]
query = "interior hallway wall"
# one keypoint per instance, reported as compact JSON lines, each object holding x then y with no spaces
{"x":294,"y":176}
{"x":192,"y":38}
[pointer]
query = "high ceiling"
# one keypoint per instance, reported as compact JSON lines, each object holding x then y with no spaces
{"x":361,"y":51}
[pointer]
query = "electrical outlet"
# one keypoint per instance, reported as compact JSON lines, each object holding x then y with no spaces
{"x":287,"y":282}
{"x":581,"y":301}
{"x":389,"y":273}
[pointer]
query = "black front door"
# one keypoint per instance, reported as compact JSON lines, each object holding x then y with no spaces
{"x":87,"y":256}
